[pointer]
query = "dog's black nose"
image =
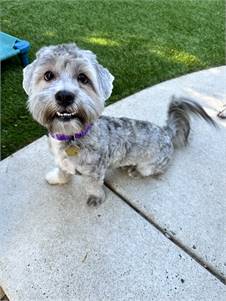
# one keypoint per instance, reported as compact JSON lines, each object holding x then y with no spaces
{"x":64,"y":98}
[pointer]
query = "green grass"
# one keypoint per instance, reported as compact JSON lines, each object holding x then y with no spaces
{"x":141,"y":42}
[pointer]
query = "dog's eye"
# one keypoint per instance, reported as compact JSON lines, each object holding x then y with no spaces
{"x":48,"y":76}
{"x":83,"y":78}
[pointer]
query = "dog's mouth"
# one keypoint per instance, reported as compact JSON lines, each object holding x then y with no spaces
{"x":68,"y":116}
{"x":65,"y":116}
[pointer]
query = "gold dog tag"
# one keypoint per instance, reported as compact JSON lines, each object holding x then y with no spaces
{"x":72,"y":150}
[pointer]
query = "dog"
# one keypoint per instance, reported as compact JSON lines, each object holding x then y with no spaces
{"x":67,"y":89}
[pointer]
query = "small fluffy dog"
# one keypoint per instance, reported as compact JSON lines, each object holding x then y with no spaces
{"x":67,"y":89}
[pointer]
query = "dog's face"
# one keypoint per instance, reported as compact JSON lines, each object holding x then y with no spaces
{"x":67,"y":88}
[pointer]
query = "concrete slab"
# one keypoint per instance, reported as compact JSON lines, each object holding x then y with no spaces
{"x":54,"y":247}
{"x":189,"y":200}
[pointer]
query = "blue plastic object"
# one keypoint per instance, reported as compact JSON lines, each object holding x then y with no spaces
{"x":10,"y":46}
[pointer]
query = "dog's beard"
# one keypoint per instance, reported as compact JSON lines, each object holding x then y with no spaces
{"x":58,"y":119}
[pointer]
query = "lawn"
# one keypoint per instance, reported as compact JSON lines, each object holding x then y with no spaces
{"x":141,"y":42}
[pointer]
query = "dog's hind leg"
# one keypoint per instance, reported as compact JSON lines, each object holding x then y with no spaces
{"x":147,"y":169}
{"x":143,"y":170}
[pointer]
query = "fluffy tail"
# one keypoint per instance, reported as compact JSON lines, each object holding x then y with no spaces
{"x":178,"y":122}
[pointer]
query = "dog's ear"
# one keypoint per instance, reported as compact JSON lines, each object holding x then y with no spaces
{"x":27,"y":77}
{"x":105,"y":79}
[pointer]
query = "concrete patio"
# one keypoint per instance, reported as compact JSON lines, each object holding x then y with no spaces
{"x":153,"y":239}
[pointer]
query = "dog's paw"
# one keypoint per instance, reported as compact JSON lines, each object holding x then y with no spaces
{"x":133,"y":172}
{"x":55,"y":177}
{"x":94,"y":201}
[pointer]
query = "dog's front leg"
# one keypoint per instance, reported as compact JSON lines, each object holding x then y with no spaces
{"x":95,"y":191}
{"x":65,"y":168}
{"x":57,"y":176}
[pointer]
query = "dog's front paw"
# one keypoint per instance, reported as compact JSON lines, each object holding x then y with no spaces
{"x":57,"y":176}
{"x":94,"y":201}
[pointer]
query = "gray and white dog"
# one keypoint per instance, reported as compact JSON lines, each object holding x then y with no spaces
{"x":67,"y":89}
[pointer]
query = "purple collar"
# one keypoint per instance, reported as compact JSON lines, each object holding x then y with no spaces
{"x":67,"y":138}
